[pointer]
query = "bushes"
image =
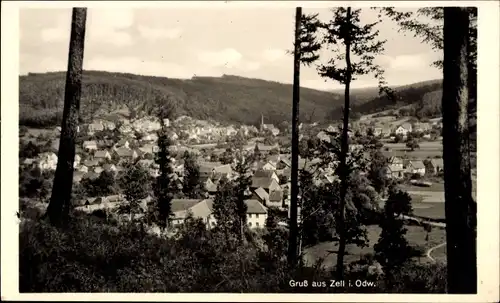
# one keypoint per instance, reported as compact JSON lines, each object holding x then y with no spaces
{"x":90,"y":256}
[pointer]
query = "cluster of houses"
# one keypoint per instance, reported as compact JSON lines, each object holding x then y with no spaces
{"x":398,"y":168}
{"x":402,"y":129}
{"x":270,"y":180}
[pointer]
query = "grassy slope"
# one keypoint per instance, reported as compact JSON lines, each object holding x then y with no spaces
{"x":226,"y":98}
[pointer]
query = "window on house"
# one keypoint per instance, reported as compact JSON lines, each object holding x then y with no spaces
{"x":213,"y":223}
{"x":250,"y":215}
{"x":257,"y":216}
{"x":257,"y":224}
{"x":250,"y":224}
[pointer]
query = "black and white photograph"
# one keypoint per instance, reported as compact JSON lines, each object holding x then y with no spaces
{"x":251,"y":148}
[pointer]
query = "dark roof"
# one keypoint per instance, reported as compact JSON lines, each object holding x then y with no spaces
{"x":223,"y":169}
{"x":90,"y":175}
{"x":124,"y":152}
{"x":417,"y":164}
{"x":255,"y":207}
{"x":90,"y":163}
{"x":261,"y":182}
{"x":261,"y":193}
{"x":276,"y":195}
{"x":183,"y":204}
{"x":100,"y":154}
{"x":263,"y":174}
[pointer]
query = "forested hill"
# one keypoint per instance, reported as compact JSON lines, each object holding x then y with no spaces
{"x":225,"y":99}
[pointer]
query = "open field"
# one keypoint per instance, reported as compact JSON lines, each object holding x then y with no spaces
{"x":415,"y":236}
{"x":433,"y":193}
{"x":429,"y":210}
{"x":426,"y":150}
{"x":426,"y":145}
{"x":435,"y":187}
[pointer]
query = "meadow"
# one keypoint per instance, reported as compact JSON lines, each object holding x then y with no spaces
{"x":427,"y":149}
{"x":415,"y":235}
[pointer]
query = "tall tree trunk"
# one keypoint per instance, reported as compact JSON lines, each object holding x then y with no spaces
{"x":60,"y":200}
{"x":343,"y":154}
{"x":460,"y":208}
{"x":292,"y":244}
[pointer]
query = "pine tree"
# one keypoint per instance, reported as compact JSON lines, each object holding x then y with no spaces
{"x":242,"y":184}
{"x":359,"y":42}
{"x":225,"y":211}
{"x":256,"y":152}
{"x":136,"y":186}
{"x":164,"y":187}
{"x":60,"y":201}
{"x":191,"y":184}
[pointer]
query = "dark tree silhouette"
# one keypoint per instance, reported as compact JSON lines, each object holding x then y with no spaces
{"x":164,"y":188}
{"x":460,"y":208}
{"x":305,"y":48}
{"x":356,"y":44}
{"x":58,"y":209}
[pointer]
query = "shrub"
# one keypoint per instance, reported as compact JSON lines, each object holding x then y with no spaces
{"x":92,"y":256}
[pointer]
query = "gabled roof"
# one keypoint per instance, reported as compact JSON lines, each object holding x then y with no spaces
{"x":124,"y":152}
{"x":273,"y":158}
{"x":207,"y":167}
{"x":89,"y":143}
{"x":395,"y":168}
{"x":276,"y":196}
{"x":101,"y":154}
{"x":394,"y":159}
{"x":263,"y":174}
{"x":183,"y":204}
{"x":210,"y":186}
{"x":108,"y":166}
{"x":286,"y":162}
{"x":146,"y":162}
{"x":90,"y":163}
{"x":197,"y":207}
{"x":255,"y":207}
{"x":262,"y":194}
{"x":262,"y":182}
{"x":417,"y":164}
{"x":406,"y":125}
{"x":223,"y":169}
{"x":437,"y":162}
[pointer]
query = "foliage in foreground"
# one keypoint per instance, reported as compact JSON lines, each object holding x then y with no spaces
{"x":90,"y":256}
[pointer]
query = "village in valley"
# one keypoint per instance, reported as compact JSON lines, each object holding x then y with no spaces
{"x":168,"y":154}
{"x":106,"y":145}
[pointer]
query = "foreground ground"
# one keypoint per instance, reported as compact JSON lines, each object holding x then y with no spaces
{"x":415,"y":235}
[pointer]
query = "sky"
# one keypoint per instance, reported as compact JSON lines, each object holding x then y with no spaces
{"x":182,"y":42}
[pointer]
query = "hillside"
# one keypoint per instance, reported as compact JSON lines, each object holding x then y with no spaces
{"x":226,"y":98}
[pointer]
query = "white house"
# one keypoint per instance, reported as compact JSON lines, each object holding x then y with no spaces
{"x":48,"y":161}
{"x":403,"y":129}
{"x":198,"y":208}
{"x":90,"y":145}
{"x":268,"y":166}
{"x":77,"y":160}
{"x":256,"y":214}
{"x":102,"y":155}
{"x":95,"y":127}
{"x":417,"y":167}
{"x":151,"y":137}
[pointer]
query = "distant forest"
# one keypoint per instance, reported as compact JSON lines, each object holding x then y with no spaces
{"x":230,"y":99}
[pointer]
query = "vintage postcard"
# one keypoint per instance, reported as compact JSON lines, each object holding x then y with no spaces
{"x":250,"y":151}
